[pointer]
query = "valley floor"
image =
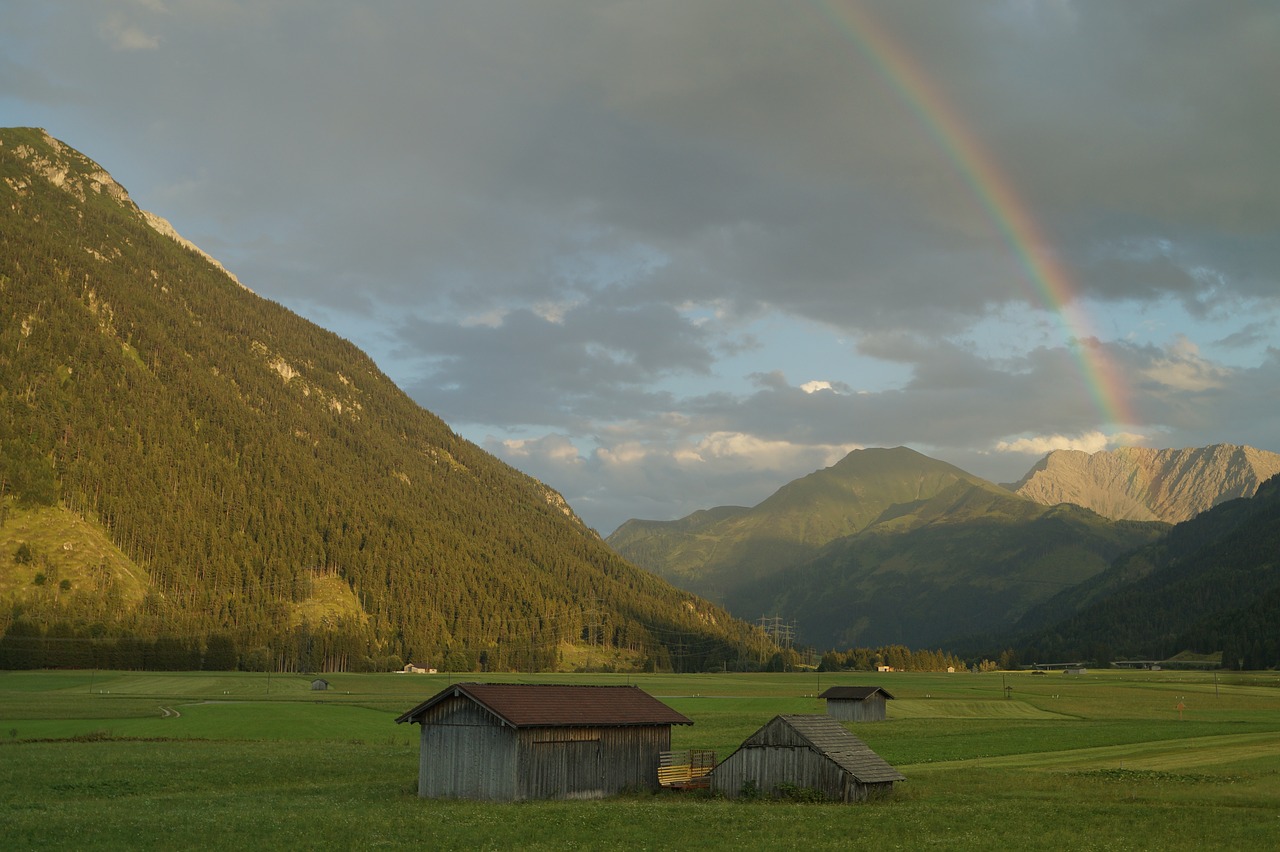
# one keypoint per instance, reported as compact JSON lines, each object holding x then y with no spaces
{"x":1133,"y":760}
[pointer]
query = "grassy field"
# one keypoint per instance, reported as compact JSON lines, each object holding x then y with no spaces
{"x":1112,"y":760}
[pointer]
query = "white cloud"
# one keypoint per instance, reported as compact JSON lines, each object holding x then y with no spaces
{"x":556,"y":448}
{"x":754,"y":453}
{"x":1183,"y":369}
{"x":625,"y":454}
{"x":554,"y":312}
{"x":1090,"y":442}
{"x":487,"y":319}
{"x":725,"y":452}
{"x":665,"y":479}
{"x":125,"y":36}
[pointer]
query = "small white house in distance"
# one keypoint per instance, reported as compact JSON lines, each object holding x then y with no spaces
{"x":857,"y":703}
{"x":410,"y":668}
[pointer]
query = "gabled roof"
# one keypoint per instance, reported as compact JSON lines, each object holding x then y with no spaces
{"x":830,"y":739}
{"x":524,"y":705}
{"x":854,"y":693}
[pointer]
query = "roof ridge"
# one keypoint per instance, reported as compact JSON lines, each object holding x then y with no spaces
{"x":558,"y":704}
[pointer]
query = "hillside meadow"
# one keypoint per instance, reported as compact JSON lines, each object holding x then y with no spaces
{"x":1108,"y":760}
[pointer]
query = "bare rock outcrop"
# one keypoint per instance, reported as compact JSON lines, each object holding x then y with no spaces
{"x":1143,"y":484}
{"x":77,"y":175}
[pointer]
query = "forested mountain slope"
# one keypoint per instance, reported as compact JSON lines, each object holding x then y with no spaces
{"x":274,"y":488}
{"x":887,"y":546}
{"x":1213,"y":584}
{"x":970,"y":559}
{"x":715,"y":551}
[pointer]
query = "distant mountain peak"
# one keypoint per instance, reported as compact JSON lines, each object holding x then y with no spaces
{"x":712,"y":550}
{"x":1142,"y":483}
{"x":886,"y":545}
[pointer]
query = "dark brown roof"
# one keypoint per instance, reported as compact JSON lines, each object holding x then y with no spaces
{"x":523,"y":705}
{"x":854,"y":693}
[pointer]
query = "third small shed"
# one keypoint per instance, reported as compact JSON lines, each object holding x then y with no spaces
{"x":857,"y":703}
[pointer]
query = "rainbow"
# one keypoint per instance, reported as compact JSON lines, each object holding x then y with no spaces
{"x":1011,"y":217}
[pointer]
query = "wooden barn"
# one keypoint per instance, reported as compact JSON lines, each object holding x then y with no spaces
{"x":806,"y":753}
{"x":857,"y":703}
{"x":507,"y":742}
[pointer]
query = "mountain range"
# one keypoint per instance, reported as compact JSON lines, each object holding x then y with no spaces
{"x":186,"y":467}
{"x":193,"y":476}
{"x":889,"y":545}
{"x":1212,"y":585}
{"x":1144,"y":484}
{"x":715,"y":551}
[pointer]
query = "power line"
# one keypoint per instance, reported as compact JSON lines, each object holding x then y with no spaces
{"x":782,"y":633}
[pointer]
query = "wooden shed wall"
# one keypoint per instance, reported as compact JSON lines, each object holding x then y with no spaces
{"x":467,"y":753}
{"x":777,"y":754}
{"x":589,"y":763}
{"x":768,"y":767}
{"x":867,"y":710}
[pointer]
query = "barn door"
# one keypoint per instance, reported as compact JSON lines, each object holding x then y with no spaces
{"x":583,"y":770}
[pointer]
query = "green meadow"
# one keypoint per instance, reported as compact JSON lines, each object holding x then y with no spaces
{"x":1107,"y":760}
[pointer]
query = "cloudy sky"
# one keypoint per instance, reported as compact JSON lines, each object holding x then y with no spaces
{"x":671,"y":255}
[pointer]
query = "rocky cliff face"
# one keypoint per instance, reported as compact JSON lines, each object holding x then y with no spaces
{"x":1138,"y":483}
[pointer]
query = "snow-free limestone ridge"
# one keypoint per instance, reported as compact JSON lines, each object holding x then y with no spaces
{"x":1144,"y":484}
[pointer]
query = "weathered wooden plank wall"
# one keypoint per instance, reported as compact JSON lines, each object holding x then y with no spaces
{"x":466,"y":753}
{"x":765,"y":767}
{"x":868,"y":710}
{"x":587,"y":763}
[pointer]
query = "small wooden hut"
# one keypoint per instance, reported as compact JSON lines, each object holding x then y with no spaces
{"x":508,"y":742}
{"x":857,"y":703}
{"x":319,"y":684}
{"x":805,"y":753}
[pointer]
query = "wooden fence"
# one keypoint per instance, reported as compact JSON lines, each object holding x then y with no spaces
{"x":686,"y":769}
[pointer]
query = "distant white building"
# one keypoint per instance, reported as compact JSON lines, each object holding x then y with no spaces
{"x":410,"y":668}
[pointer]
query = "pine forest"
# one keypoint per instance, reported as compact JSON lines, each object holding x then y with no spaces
{"x":265,"y":497}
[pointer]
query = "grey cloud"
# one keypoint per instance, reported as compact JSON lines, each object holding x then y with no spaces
{"x":473,"y":138}
{"x":528,"y":370}
{"x":1252,"y":334}
{"x":409,"y":172}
